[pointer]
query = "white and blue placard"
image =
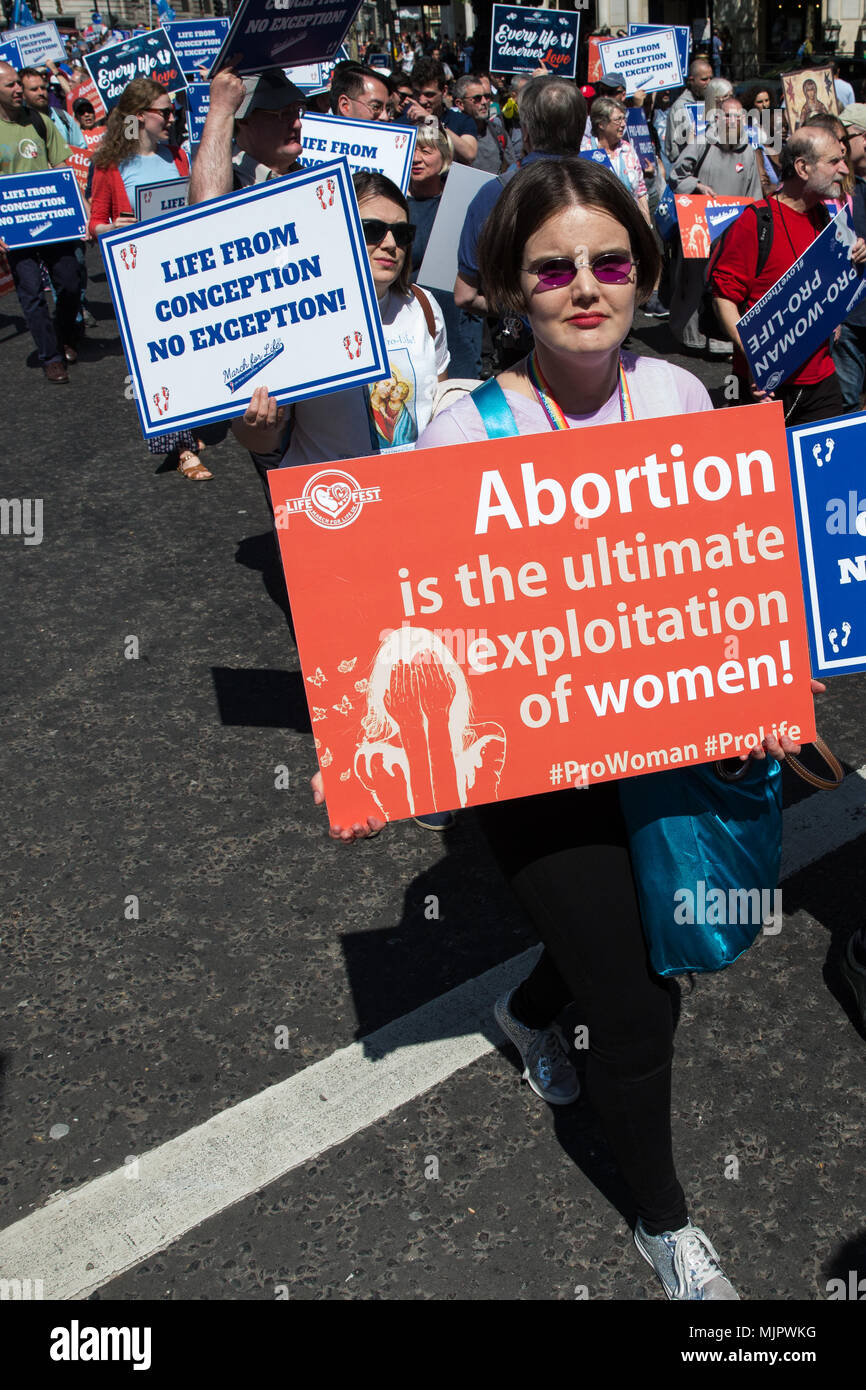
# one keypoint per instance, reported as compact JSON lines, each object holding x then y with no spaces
{"x":648,"y":62}
{"x":36,"y":43}
{"x":684,"y":38}
{"x":196,"y":41}
{"x":379,"y":147}
{"x":380,"y":61}
{"x":721,"y":216}
{"x":147,"y":55}
{"x":696,"y":112}
{"x":156,"y":199}
{"x":37,"y":209}
{"x":316,"y":77}
{"x":638,"y":133}
{"x":597,"y":157}
{"x":665,"y":215}
{"x":197,"y":107}
{"x":800,"y":311}
{"x":11,"y":53}
{"x":270,"y":287}
{"x":830,"y":501}
{"x":284,"y":33}
{"x":521,"y":39}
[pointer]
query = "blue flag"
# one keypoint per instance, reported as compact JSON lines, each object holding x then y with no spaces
{"x":164,"y":10}
{"x":21,"y":15}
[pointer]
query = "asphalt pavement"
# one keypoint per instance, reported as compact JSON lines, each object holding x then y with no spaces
{"x":180,"y":935}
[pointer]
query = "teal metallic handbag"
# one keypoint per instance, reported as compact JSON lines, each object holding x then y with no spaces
{"x":705,"y":853}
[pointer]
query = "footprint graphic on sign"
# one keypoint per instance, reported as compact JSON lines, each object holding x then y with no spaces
{"x":332,"y":188}
{"x":846,"y":628}
{"x":816,"y":455}
{"x":832,"y":635}
{"x":320,"y":191}
{"x":156,"y":401}
{"x":359,"y":338}
{"x":830,"y":445}
{"x":165,"y":395}
{"x":346,"y":341}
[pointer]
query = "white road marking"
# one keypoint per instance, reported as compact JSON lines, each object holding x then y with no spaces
{"x":85,"y":1238}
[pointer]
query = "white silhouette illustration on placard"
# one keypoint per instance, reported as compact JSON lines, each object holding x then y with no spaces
{"x":419,"y":715}
{"x":846,"y":633}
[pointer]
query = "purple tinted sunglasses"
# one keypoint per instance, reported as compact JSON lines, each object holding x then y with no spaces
{"x":609,"y":269}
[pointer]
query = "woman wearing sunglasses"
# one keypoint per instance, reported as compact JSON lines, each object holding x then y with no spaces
{"x":356,"y":422}
{"x":135,"y":150}
{"x":569,"y":249}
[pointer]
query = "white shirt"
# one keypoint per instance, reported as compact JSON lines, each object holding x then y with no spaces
{"x":340,"y":426}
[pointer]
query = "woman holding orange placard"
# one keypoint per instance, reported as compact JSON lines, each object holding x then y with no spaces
{"x":570,"y":250}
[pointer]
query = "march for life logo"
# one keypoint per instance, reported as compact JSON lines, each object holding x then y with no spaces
{"x":331,"y":499}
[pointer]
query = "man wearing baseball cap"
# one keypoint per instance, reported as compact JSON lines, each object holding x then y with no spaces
{"x":849,"y":349}
{"x":611,"y":85}
{"x":252,"y":133}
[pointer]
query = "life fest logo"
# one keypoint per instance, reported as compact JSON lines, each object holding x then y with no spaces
{"x":28,"y":149}
{"x":331,"y":498}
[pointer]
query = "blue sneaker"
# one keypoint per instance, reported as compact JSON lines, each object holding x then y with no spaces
{"x":686,"y":1263}
{"x":435,"y":820}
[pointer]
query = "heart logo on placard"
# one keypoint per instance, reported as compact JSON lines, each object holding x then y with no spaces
{"x":333,"y":499}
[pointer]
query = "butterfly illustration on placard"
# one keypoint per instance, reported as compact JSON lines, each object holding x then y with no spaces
{"x":319,"y":678}
{"x":319,"y":714}
{"x":327,"y":758}
{"x":344,"y":706}
{"x":345,"y":666}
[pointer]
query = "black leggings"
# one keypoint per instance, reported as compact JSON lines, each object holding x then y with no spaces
{"x":566,"y":858}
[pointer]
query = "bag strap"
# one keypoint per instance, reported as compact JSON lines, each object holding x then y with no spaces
{"x":427,"y":309}
{"x":824,"y":784}
{"x":38,"y":124}
{"x":491,"y":404}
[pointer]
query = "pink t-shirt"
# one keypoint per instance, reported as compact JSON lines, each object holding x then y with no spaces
{"x":656,"y":387}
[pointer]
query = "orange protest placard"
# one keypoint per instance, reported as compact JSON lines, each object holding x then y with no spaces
{"x":593,"y":59}
{"x":494,"y":620}
{"x":692,"y":217}
{"x":79,"y":162}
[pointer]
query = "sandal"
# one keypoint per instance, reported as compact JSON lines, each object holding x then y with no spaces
{"x":191,"y":466}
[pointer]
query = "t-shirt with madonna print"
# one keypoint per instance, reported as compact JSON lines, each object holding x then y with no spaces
{"x":389,"y":415}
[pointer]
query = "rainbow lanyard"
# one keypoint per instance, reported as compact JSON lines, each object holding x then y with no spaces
{"x":555,"y":417}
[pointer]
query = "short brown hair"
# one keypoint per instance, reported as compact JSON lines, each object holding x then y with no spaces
{"x":530,"y":199}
